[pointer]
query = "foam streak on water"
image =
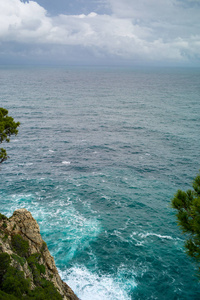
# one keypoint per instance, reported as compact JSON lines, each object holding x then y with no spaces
{"x":93,"y":286}
{"x":98,"y":157}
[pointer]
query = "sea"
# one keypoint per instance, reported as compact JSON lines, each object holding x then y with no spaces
{"x":100,"y":153}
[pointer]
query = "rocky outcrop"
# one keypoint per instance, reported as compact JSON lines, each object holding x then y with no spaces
{"x":20,"y":238}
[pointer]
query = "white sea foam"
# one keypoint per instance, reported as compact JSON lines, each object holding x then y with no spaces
{"x":141,"y":238}
{"x":119,"y":235}
{"x":73,"y":231}
{"x":66,"y":162}
{"x":51,"y":151}
{"x":17,"y":201}
{"x":81,"y":232}
{"x":138,"y":243}
{"x":144,"y":235}
{"x":91,"y":286}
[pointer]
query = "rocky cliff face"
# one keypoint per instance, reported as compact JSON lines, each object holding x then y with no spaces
{"x":23,"y":249}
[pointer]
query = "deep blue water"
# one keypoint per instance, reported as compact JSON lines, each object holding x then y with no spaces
{"x":99,"y":155}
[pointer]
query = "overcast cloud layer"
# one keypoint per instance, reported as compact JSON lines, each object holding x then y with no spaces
{"x":145,"y":31}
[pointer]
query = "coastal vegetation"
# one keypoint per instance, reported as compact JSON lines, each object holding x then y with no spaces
{"x":27,"y":270}
{"x":13,"y":283}
{"x":187,"y":205}
{"x":8,"y":127}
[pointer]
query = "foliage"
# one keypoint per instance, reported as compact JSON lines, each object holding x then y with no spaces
{"x":32,"y":261}
{"x":14,"y":282}
{"x":44,"y":246}
{"x":41,"y":268}
{"x":4,"y":225}
{"x":16,"y":287}
{"x":33,"y":258}
{"x":5,"y":237}
{"x":8,"y":127}
{"x":187,"y":205}
{"x":13,"y":285}
{"x":46,"y":291}
{"x":2,"y":217}
{"x":20,"y":260}
{"x":5,"y":296}
{"x":20,"y":246}
{"x":4,"y":264}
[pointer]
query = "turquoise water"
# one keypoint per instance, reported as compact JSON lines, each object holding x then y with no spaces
{"x":99,"y":155}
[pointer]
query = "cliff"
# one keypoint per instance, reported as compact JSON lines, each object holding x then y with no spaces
{"x":27,"y":269}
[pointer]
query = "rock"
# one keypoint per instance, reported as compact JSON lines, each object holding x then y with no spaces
{"x":23,"y":228}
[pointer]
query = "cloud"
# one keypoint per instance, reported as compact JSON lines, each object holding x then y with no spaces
{"x":23,"y":22}
{"x":136,"y":30}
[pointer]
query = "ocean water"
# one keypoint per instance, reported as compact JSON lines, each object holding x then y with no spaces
{"x":99,"y":155}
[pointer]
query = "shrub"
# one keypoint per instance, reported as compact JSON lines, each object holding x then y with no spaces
{"x":2,"y":217}
{"x":4,"y":264}
{"x":5,"y":237}
{"x":44,"y":246}
{"x":20,"y":246}
{"x":33,"y":259}
{"x":41,"y":268}
{"x":14,"y":283}
{"x":4,"y":225}
{"x":20,"y":260}
{"x":46,"y":291}
{"x":5,"y":296}
{"x":33,"y":262}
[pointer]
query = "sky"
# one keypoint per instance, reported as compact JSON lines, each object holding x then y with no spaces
{"x":100,"y":32}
